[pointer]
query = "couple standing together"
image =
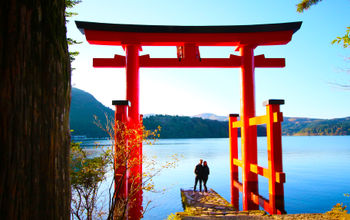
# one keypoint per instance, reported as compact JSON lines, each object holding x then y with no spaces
{"x":202,"y":172}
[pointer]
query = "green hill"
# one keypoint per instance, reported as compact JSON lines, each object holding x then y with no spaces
{"x":83,"y":108}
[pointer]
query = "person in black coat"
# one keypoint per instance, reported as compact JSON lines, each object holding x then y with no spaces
{"x":198,"y":171}
{"x":205,"y":175}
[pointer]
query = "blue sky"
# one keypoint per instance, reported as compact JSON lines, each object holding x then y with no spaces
{"x":313,"y":65}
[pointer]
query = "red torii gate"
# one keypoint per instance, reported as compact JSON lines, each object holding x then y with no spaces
{"x":187,"y":39}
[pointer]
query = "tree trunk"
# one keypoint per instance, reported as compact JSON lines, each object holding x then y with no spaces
{"x":34,"y":110}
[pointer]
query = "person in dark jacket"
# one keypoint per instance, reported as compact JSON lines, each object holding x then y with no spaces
{"x":205,"y":175}
{"x":198,"y":171}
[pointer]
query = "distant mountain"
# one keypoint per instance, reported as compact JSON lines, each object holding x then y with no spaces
{"x":211,"y":117}
{"x":84,"y":106}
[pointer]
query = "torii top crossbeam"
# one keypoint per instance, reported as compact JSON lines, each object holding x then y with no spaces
{"x":187,"y":39}
{"x":160,"y":35}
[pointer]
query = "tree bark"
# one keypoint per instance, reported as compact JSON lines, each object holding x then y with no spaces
{"x":34,"y":110}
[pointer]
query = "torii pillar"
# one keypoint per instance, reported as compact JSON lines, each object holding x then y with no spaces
{"x":120,"y":153}
{"x":133,"y":82}
{"x":133,"y":94}
{"x":248,"y":133}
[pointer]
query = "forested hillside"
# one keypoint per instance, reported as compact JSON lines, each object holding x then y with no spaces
{"x":311,"y":127}
{"x":291,"y":126}
{"x":83,"y":108}
{"x":327,"y":127}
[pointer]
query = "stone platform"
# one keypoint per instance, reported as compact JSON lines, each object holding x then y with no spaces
{"x":210,"y":203}
{"x":200,"y":205}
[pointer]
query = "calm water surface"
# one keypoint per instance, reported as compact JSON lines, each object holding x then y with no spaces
{"x":317,"y":172}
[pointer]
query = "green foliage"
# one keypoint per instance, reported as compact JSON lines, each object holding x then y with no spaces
{"x":339,"y":207}
{"x":72,"y":54}
{"x":345,"y":39}
{"x":306,"y":4}
{"x":338,"y":212}
{"x":86,"y":173}
{"x":70,"y":4}
{"x":173,"y":217}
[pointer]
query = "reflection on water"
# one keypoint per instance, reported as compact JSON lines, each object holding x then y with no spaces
{"x":317,"y":172}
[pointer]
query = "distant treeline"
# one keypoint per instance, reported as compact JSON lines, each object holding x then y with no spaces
{"x":84,"y":106}
{"x":188,"y":127}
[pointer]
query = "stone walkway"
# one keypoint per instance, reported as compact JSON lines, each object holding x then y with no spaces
{"x":210,"y":203}
{"x":200,"y":205}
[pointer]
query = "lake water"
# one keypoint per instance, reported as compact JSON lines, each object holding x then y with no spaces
{"x":317,"y":172}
